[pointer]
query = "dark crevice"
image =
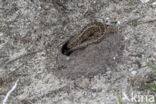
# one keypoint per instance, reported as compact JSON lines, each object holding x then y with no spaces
{"x":65,"y":49}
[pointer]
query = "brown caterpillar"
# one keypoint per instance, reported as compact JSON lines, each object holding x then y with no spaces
{"x":91,"y":34}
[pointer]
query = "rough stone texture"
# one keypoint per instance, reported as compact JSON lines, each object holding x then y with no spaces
{"x":32,"y":31}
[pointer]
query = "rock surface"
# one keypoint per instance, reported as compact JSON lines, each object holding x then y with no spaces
{"x":32,"y":32}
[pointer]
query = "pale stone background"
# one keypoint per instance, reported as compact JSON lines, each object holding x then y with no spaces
{"x":32,"y":31}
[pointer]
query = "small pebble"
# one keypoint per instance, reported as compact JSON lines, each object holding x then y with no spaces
{"x":144,"y":1}
{"x":68,"y":58}
{"x":154,"y":4}
{"x":118,"y":22}
{"x":94,"y":2}
{"x":1,"y":34}
{"x":114,"y":58}
{"x":134,"y":72}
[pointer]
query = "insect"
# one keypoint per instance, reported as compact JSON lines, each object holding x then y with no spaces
{"x":91,"y":34}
